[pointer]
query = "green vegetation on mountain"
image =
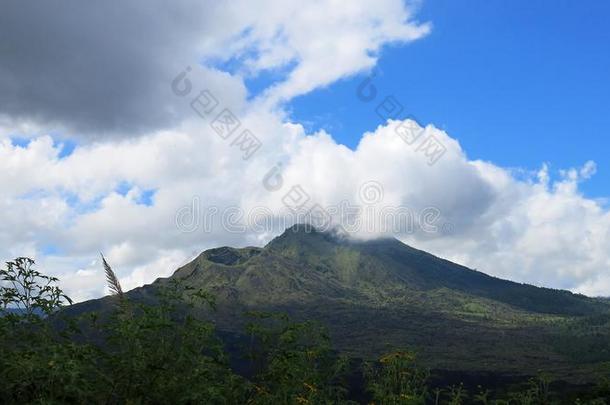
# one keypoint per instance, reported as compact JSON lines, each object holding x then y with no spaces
{"x":312,"y":318}
{"x":380,"y":294}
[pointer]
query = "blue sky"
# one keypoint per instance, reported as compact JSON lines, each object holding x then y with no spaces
{"x":518,"y":85}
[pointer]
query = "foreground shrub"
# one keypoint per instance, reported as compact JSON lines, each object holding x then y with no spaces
{"x":294,"y":362}
{"x":397,"y":380}
{"x":152,"y":350}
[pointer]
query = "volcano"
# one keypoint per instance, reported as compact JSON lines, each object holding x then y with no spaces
{"x":382,"y":295}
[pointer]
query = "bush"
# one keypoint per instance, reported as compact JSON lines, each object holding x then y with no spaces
{"x":158,"y":352}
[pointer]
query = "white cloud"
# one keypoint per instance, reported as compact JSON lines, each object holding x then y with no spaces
{"x":537,"y":229}
{"x":64,"y":69}
{"x":326,"y":40}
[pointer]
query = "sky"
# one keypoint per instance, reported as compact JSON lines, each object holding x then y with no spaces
{"x":517,"y":84}
{"x":474,"y":130}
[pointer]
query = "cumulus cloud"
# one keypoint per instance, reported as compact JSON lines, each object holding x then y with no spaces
{"x":534,"y":230}
{"x":102,"y":69}
{"x":324,"y":40}
{"x":166,"y":186}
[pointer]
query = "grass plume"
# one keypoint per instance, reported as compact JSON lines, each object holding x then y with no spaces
{"x":112,"y":279}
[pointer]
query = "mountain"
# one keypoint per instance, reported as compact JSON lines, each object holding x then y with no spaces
{"x":381,"y":295}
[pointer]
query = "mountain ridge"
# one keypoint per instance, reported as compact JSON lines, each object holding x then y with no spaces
{"x":382,"y":293}
{"x":418,"y":269}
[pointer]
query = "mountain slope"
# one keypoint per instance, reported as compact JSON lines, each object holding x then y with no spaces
{"x":299,"y":266}
{"x":382,"y":295}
